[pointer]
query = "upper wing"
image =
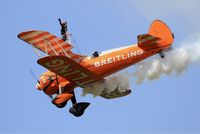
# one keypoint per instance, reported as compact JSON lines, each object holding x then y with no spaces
{"x":68,"y":69}
{"x":147,"y":41}
{"x":45,"y":42}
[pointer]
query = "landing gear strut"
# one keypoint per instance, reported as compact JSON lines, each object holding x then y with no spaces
{"x":78,"y":108}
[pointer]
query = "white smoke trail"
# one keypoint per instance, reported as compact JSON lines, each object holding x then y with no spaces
{"x":110,"y":84}
{"x":175,"y":61}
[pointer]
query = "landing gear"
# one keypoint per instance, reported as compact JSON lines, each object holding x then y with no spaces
{"x":78,"y":108}
{"x":62,"y":105}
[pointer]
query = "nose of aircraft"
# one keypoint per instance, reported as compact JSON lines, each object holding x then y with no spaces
{"x":38,"y":86}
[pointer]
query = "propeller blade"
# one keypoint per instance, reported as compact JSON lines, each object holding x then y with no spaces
{"x":50,"y":97}
{"x":33,"y":75}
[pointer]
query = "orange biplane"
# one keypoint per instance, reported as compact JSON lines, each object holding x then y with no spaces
{"x":67,"y":70}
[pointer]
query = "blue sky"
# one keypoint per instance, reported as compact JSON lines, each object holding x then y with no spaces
{"x":169,"y":105}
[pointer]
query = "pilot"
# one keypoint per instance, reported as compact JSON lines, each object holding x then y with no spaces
{"x":95,"y":54}
{"x":63,"y":30}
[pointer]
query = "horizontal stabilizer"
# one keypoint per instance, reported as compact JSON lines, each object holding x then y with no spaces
{"x":147,"y":40}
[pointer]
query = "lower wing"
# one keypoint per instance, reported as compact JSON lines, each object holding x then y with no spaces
{"x":68,"y":69}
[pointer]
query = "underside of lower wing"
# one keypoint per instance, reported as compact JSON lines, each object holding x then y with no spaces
{"x":68,"y":69}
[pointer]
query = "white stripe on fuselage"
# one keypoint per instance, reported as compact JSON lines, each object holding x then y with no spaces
{"x":116,"y":58}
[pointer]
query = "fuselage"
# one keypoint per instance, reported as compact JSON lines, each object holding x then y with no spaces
{"x":114,"y":60}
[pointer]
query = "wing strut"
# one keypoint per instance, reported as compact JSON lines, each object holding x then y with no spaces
{"x":62,"y":49}
{"x":35,"y":50}
{"x":52,"y":48}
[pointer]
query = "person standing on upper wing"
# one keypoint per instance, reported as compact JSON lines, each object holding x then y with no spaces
{"x":64,"y":31}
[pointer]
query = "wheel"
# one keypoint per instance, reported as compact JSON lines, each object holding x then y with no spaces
{"x":78,"y":109}
{"x":162,"y":55}
{"x":59,"y":105}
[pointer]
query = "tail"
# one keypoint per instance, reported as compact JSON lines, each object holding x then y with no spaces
{"x":159,"y":36}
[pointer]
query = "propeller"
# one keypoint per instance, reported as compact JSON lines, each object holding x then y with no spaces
{"x":33,"y":75}
{"x":50,"y":81}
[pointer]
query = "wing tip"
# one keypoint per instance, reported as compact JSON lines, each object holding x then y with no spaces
{"x":28,"y":32}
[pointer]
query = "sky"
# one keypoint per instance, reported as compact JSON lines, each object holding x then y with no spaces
{"x":167,"y":105}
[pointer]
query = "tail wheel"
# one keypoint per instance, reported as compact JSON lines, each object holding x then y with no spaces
{"x":162,"y":55}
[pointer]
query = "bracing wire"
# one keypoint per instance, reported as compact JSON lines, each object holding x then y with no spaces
{"x":75,"y":44}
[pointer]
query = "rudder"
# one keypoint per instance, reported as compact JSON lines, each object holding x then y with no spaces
{"x":160,"y":30}
{"x":158,"y":36}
